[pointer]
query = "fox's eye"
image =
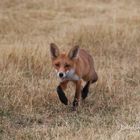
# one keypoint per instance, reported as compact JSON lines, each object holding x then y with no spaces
{"x":67,"y":65}
{"x":57,"y":65}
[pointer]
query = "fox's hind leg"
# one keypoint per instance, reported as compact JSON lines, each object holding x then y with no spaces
{"x":85,"y":90}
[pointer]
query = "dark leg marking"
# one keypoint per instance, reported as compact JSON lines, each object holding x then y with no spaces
{"x":85,"y":90}
{"x":62,"y":96}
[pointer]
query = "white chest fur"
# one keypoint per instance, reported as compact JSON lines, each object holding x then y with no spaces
{"x":74,"y":77}
{"x":70,"y":75}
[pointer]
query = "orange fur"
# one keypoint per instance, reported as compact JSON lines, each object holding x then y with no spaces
{"x":78,"y":60}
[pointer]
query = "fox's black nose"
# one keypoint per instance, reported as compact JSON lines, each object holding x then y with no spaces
{"x":61,"y":74}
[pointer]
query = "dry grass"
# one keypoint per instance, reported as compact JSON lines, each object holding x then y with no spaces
{"x":29,"y":107}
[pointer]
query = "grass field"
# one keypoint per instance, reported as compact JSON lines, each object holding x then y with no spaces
{"x":29,"y":106}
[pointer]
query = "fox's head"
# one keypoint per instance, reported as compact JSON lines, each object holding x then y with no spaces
{"x":64,"y":63}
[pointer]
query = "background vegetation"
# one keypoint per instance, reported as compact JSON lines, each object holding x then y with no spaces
{"x":29,"y":106}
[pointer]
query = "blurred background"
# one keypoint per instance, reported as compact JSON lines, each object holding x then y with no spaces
{"x":29,"y":106}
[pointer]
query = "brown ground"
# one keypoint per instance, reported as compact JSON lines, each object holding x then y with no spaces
{"x":29,"y":107}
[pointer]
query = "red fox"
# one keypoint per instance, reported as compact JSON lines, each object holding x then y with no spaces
{"x":76,"y":65}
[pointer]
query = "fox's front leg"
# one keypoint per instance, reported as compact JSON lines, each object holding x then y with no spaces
{"x":77,"y":94}
{"x":62,"y":86}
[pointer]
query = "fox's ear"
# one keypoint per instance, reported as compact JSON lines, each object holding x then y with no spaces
{"x":73,"y":53}
{"x":54,"y":50}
